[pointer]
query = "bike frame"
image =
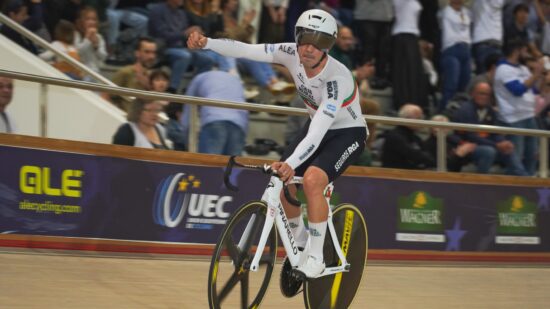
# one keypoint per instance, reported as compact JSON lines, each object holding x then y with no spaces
{"x":276,"y":214}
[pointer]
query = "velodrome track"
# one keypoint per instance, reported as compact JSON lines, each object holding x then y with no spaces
{"x":46,"y":279}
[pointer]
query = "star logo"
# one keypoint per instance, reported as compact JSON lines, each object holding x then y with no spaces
{"x":454,"y":236}
{"x":190,"y":180}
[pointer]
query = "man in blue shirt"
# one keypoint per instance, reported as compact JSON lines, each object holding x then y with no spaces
{"x":223,"y":130}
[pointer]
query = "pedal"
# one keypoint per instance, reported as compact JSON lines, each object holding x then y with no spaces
{"x":290,"y":281}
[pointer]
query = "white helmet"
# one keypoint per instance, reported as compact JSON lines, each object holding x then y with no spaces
{"x":316,"y":27}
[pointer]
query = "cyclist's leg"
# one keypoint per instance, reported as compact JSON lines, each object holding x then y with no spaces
{"x":295,"y":220}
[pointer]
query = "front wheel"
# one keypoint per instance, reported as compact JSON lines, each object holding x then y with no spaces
{"x":234,"y":251}
{"x":338,"y":290}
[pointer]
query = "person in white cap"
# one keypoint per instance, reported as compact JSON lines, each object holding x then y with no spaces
{"x":335,"y":134}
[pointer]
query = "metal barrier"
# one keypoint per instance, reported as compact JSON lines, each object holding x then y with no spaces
{"x":441,"y":140}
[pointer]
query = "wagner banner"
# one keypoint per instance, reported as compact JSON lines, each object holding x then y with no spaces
{"x":74,"y":195}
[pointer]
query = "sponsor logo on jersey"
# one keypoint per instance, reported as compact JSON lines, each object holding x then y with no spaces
{"x":331,"y":107}
{"x":269,"y":48}
{"x":287,"y":49}
{"x":328,"y":114}
{"x":308,"y":151}
{"x":332,"y":90}
{"x":352,"y":113}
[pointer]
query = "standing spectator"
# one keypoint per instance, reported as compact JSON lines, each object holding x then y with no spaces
{"x":169,"y":24}
{"x":342,"y":50}
{"x":515,"y":88}
{"x":143,"y":128}
{"x":458,"y":151}
{"x":455,"y":51}
{"x":64,"y":39}
{"x":488,"y":30}
{"x":519,"y":29}
{"x":7,"y":124}
{"x":272,"y":21}
{"x":88,"y":41}
{"x":490,"y":147}
{"x":402,"y":147}
{"x":136,"y":75}
{"x":373,"y":24}
{"x":223,"y":130}
{"x":408,"y":79}
{"x":545,"y":24}
{"x":18,"y":11}
{"x":174,"y":127}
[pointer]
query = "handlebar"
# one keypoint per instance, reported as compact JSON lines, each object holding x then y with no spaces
{"x":266,"y":169}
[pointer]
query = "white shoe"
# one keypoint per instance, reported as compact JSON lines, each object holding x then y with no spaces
{"x":312,"y":267}
{"x":282,"y":86}
{"x":251,"y":93}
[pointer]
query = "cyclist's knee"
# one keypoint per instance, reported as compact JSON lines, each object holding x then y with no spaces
{"x":315,"y":179}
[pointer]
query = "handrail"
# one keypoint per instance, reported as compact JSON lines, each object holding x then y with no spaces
{"x":6,"y":21}
{"x":543,"y":135}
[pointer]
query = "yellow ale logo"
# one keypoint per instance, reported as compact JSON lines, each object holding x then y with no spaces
{"x":37,"y":180}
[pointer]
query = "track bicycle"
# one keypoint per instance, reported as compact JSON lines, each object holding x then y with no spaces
{"x":246,"y":251}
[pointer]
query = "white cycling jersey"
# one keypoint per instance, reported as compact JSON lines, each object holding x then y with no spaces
{"x":331,"y":97}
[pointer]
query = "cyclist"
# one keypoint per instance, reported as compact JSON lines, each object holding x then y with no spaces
{"x":334,"y":136}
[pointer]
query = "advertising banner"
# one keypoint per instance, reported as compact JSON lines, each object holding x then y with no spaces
{"x":75,"y":195}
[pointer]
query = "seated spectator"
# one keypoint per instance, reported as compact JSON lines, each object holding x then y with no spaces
{"x":7,"y":123}
{"x":88,"y":41}
{"x":143,"y":128}
{"x":174,"y":128}
{"x":64,"y":38}
{"x":515,"y":88}
{"x":402,"y":147}
{"x":169,"y":24}
{"x":344,"y":46}
{"x":490,"y":147}
{"x":136,"y":75}
{"x":242,"y":31}
{"x":18,"y":11}
{"x":458,"y":151}
{"x":223,"y":130}
{"x":158,"y":81}
{"x":131,"y":14}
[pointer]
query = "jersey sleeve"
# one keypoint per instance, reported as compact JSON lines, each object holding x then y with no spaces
{"x":336,"y":94}
{"x":274,"y":53}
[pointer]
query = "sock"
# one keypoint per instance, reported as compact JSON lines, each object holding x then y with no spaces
{"x":317,"y":233}
{"x":298,"y":230}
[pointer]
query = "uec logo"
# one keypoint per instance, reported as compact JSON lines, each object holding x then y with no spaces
{"x":170,"y":205}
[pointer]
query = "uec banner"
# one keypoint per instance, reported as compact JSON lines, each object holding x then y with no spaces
{"x":75,"y":195}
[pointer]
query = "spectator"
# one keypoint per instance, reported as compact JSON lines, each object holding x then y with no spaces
{"x":342,"y":50}
{"x":488,"y":31}
{"x":136,"y":75}
{"x":519,"y":30}
{"x":88,"y":41}
{"x":174,"y":128}
{"x":158,"y":81}
{"x":272,"y":21}
{"x":455,"y":51}
{"x":18,"y":11}
{"x":7,"y":123}
{"x":64,"y":38}
{"x":143,"y":128}
{"x":515,"y":88}
{"x":490,"y":147}
{"x":169,"y":24}
{"x":408,"y":79}
{"x":402,"y":147}
{"x":209,"y":18}
{"x":242,"y":31}
{"x":545,"y":24}
{"x":223,"y":131}
{"x":373,"y":24}
{"x":458,"y":151}
{"x":131,"y":14}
